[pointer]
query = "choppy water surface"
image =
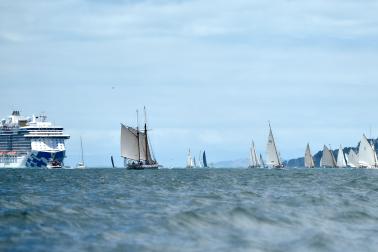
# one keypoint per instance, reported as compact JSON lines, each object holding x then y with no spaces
{"x":189,"y":210}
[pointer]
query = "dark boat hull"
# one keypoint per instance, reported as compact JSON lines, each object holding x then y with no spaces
{"x":142,"y":167}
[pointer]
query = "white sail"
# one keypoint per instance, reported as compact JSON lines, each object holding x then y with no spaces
{"x":367,"y":156}
{"x":129,"y":143}
{"x":189,"y":160}
{"x":200,"y":161}
{"x":308,"y":159}
{"x":328,"y":160}
{"x":255,"y":158}
{"x":341,"y":158}
{"x":353,"y":159}
{"x":273,"y":158}
{"x":251,"y":161}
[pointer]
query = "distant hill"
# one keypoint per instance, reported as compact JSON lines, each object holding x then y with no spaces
{"x":238,"y":163}
{"x":296,"y":162}
{"x":299,"y":162}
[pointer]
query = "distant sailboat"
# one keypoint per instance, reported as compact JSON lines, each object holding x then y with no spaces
{"x":308,"y":159}
{"x":81,"y":164}
{"x":200,"y":162}
{"x":262,"y":161}
{"x":194,"y":162}
{"x":204,"y":159}
{"x":341,"y":162}
{"x":272,"y":153}
{"x":328,"y":160}
{"x":189,"y":160}
{"x":367,"y":157}
{"x":112,"y":160}
{"x":135,"y":147}
{"x":254,"y":160}
{"x":353,"y":159}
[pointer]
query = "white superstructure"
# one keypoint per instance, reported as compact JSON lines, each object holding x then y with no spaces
{"x":31,"y":142}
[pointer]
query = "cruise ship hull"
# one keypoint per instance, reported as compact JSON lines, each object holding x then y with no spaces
{"x":35,"y":159}
{"x":31,"y":142}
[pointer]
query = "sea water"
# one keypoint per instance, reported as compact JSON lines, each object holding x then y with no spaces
{"x":189,"y":210}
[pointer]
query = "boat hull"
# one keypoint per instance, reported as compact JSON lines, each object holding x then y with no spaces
{"x":142,"y":167}
{"x":34,"y":159}
{"x":278,"y":166}
{"x":254,"y":167}
{"x":44,"y":159}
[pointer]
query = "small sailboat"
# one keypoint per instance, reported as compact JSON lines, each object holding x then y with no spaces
{"x":194,"y":162}
{"x":353,"y":159}
{"x":112,"y":160}
{"x":254,"y":160}
{"x":273,"y":157}
{"x":262,"y":161}
{"x":81,"y":164}
{"x":308,"y":159}
{"x":328,"y":160}
{"x":204,"y":159}
{"x":200,"y":162}
{"x":189,"y":161}
{"x":341,"y":161}
{"x":367,"y":157}
{"x":135,"y":147}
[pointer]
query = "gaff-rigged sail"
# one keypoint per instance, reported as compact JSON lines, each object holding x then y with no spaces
{"x":328,"y":160}
{"x":134,"y":145}
{"x":129,"y":143}
{"x":366,"y":154}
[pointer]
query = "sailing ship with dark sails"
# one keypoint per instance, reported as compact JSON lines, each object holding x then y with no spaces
{"x":204,"y":160}
{"x":135,"y":147}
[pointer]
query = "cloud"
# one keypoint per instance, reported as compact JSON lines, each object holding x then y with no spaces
{"x":240,"y":20}
{"x":211,"y":72}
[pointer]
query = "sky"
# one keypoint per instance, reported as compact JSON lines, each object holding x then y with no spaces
{"x":211,"y":73}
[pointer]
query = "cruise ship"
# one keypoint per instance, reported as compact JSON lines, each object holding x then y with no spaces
{"x":31,"y":142}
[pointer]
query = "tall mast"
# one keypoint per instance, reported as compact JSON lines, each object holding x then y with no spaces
{"x":145,"y":132}
{"x":82,"y":154}
{"x":138,"y":135}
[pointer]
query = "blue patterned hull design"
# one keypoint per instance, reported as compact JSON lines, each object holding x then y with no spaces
{"x":40,"y":159}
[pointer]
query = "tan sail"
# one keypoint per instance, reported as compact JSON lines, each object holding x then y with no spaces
{"x":328,"y":160}
{"x":129,"y":143}
{"x":308,"y":159}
